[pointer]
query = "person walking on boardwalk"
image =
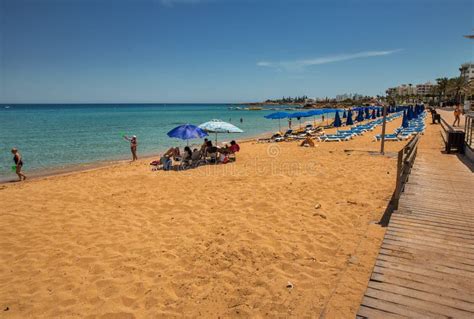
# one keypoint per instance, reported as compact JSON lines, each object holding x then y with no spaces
{"x":457,"y":115}
{"x":18,"y":164}
{"x":133,"y":146}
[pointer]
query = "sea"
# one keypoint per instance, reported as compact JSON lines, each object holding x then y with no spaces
{"x":62,"y":136}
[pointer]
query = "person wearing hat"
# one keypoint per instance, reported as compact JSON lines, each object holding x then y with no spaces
{"x":133,"y":146}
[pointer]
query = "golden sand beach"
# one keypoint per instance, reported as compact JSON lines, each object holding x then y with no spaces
{"x":284,"y":231}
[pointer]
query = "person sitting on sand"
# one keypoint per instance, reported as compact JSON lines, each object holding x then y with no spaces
{"x":233,"y":148}
{"x":196,"y":156}
{"x":308,"y":141}
{"x":133,"y":146}
{"x":204,"y":147}
{"x":173,"y":153}
{"x":211,"y":151}
{"x":18,"y":164}
{"x":187,"y":155}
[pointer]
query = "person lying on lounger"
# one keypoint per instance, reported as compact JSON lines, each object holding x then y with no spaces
{"x":308,"y":141}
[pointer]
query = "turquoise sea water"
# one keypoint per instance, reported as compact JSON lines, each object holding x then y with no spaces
{"x":56,"y":136}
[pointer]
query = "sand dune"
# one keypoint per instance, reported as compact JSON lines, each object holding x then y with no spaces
{"x":236,"y":240}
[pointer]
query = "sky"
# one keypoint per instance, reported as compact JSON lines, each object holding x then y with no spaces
{"x":213,"y":51}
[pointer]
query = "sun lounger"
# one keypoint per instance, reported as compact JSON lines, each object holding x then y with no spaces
{"x":333,"y":137}
{"x":388,"y":137}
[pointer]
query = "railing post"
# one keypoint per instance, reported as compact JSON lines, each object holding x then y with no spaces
{"x":398,"y":185}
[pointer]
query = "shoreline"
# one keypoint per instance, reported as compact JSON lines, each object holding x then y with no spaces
{"x":39,"y":174}
{"x":69,"y":169}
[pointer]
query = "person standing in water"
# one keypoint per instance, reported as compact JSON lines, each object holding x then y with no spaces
{"x":241,"y":120}
{"x":133,"y":146}
{"x":18,"y":164}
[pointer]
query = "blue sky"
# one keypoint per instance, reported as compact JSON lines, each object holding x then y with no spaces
{"x":77,"y":51}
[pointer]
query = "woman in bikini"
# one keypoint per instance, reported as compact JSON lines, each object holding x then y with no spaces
{"x":18,"y":164}
{"x":457,"y":115}
{"x":133,"y":146}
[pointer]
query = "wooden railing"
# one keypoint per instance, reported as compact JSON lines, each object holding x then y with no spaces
{"x":469,"y":130}
{"x":405,"y":161}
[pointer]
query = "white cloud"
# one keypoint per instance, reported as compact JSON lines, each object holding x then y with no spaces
{"x":301,"y":64}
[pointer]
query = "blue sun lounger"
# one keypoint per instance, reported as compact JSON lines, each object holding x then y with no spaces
{"x":388,"y":137}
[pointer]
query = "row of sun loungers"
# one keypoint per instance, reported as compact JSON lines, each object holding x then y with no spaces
{"x":292,"y":135}
{"x":415,"y":126}
{"x":345,"y":135}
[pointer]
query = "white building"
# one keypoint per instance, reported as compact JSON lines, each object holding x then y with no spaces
{"x":467,"y":71}
{"x":424,"y":89}
{"x":406,"y":89}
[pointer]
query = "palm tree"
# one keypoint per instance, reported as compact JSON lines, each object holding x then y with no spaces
{"x":441,"y":86}
{"x":458,"y":86}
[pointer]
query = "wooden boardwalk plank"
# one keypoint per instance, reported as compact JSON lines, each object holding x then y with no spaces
{"x":428,"y":307}
{"x":425,"y":266}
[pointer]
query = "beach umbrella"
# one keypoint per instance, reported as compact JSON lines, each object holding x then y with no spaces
{"x":404,"y":120}
{"x":415,"y":112}
{"x":277,"y":116}
{"x":314,"y":113}
{"x":409,"y":113}
{"x":349,"y":118}
{"x":367,"y":113}
{"x":344,"y":114}
{"x":299,"y":115}
{"x":327,"y":111}
{"x":374,"y":116}
{"x":218,"y":126}
{"x":337,"y":120}
{"x":360,"y":115}
{"x":187,"y":132}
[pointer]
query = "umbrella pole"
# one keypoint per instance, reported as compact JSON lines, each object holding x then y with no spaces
{"x":382,"y":142}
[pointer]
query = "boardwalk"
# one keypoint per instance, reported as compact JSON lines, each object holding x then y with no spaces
{"x":425,"y":267}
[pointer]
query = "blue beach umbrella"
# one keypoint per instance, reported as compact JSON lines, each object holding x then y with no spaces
{"x":299,"y":115}
{"x":404,"y":120}
{"x":409,"y":113}
{"x":218,"y":126}
{"x":277,"y":116}
{"x":337,"y":120}
{"x":327,"y":111}
{"x":187,"y":132}
{"x":349,"y":118}
{"x":344,"y":114}
{"x":415,"y":112}
{"x":360,"y":115}
{"x":367,"y":113}
{"x":314,"y":113}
